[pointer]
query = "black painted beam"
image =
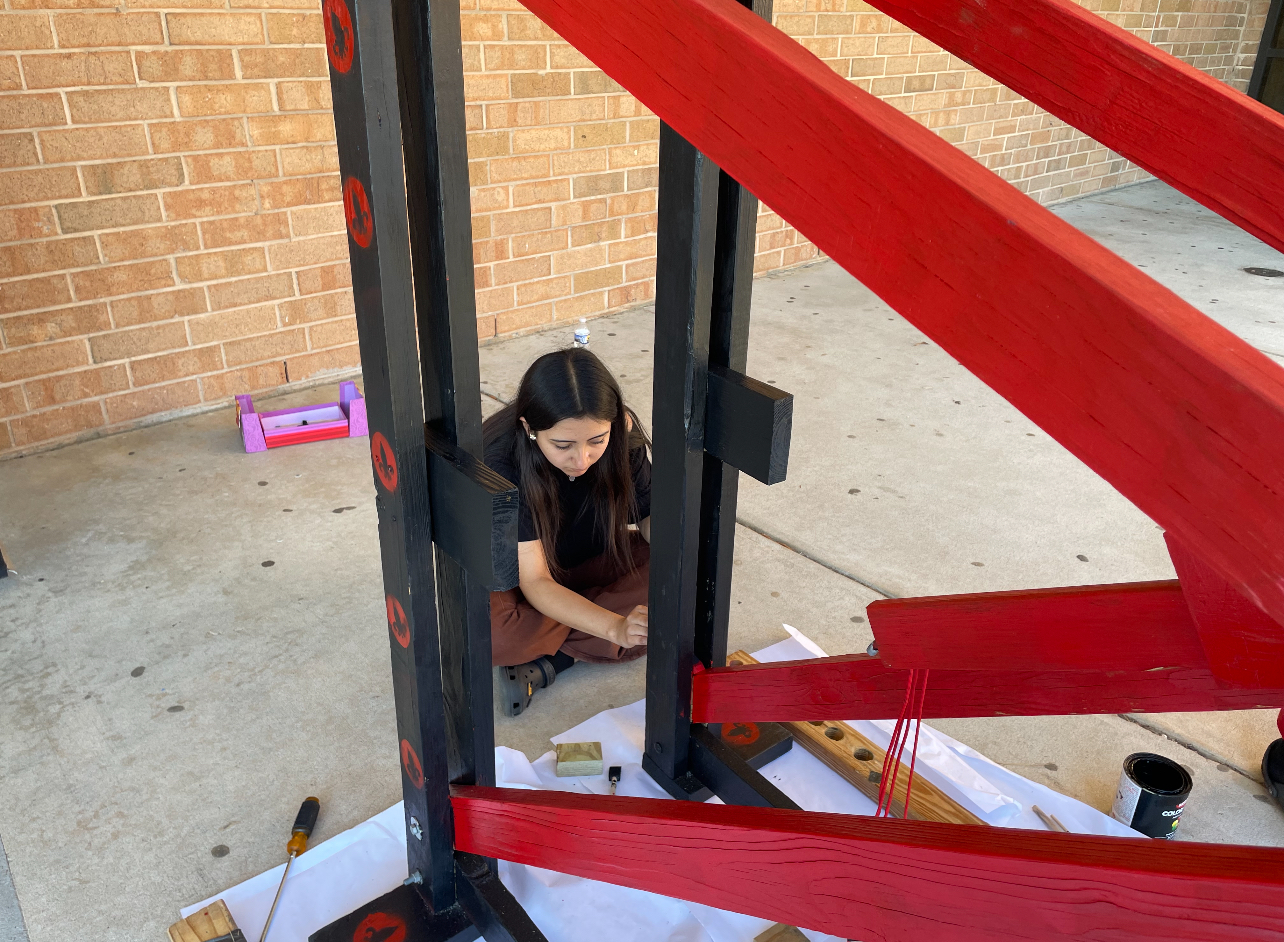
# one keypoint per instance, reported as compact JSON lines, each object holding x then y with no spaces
{"x":494,"y":911}
{"x":402,"y":915}
{"x":748,"y":424}
{"x":729,"y":776}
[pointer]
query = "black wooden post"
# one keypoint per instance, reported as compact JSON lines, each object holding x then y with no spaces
{"x":364,"y":82}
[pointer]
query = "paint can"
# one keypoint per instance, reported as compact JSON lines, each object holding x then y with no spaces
{"x":1152,"y":793}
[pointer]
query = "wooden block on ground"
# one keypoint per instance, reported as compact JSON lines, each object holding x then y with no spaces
{"x":780,"y":933}
{"x":579,"y":758}
{"x":857,"y":759}
{"x":213,"y":922}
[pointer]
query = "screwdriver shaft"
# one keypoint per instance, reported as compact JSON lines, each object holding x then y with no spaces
{"x":276,"y":899}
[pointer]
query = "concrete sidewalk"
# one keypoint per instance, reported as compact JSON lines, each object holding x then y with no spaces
{"x":195,"y":640}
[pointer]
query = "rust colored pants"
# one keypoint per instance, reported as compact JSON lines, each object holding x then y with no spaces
{"x":519,"y":632}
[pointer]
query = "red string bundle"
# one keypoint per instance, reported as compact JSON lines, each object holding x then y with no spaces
{"x":911,"y":712}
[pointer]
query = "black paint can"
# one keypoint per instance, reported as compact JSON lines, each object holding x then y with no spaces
{"x":1152,"y":793}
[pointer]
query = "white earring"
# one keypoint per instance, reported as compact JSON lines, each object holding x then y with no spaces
{"x":532,"y":436}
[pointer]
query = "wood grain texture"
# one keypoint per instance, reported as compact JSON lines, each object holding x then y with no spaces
{"x":1133,"y":626}
{"x":877,"y":879}
{"x":1179,"y":414}
{"x":1244,"y":646}
{"x":857,"y":759}
{"x":859,"y":687}
{"x":1198,"y":134}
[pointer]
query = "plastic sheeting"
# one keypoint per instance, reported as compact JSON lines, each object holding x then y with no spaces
{"x":352,"y":868}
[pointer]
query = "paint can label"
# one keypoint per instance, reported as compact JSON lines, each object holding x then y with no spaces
{"x":1125,"y":800}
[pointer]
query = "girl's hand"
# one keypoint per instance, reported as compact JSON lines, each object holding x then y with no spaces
{"x":631,"y":630}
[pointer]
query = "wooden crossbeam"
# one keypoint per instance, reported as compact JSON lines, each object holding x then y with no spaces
{"x":1179,"y":414}
{"x":1134,"y":626}
{"x":880,"y":879}
{"x":859,"y":687}
{"x":1198,"y":134}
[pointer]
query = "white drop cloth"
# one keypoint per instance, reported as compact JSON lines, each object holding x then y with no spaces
{"x":352,"y":868}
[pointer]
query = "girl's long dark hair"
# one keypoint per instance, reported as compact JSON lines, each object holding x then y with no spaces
{"x":572,"y":384}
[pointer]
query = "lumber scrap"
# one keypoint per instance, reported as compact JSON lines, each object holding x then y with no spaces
{"x":214,"y":923}
{"x":859,"y":760}
{"x":878,"y":879}
{"x":1139,"y":385}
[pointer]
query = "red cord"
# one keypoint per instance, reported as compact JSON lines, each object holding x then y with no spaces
{"x":889,"y":763}
{"x":918,"y":725}
{"x":911,"y":711}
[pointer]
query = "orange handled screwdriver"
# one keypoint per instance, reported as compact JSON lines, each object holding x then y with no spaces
{"x":304,"y":822}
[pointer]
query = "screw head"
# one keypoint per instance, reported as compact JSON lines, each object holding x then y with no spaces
{"x":415,"y":829}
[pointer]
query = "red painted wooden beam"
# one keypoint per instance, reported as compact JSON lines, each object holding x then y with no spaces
{"x":1179,"y":414}
{"x":1202,"y":136}
{"x":1134,"y":626}
{"x":880,"y":880}
{"x":1243,"y":645}
{"x":859,"y":687}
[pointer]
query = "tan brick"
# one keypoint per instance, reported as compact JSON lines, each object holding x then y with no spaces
{"x":249,"y":291}
{"x":490,"y":86}
{"x":33,"y":293}
{"x":73,"y":69}
{"x":488,"y":200}
{"x":247,"y":379}
{"x":324,"y":278}
{"x":186,"y":65}
{"x":581,"y":211}
{"x":25,"y":31}
{"x":643,"y":179}
{"x":525,"y":220}
{"x":295,"y":28}
{"x":566,"y":56}
{"x":214,"y":29}
{"x":33,"y":258}
{"x":537,"y":243}
{"x":489,"y":250}
{"x":488,"y":27}
{"x":187,"y":136}
{"x":38,"y":186}
{"x":110,"y":213}
{"x":51,"y":424}
{"x":540,"y":84}
{"x":634,"y":155}
{"x":601,"y":134}
{"x":231,"y":166}
{"x":10,"y":74}
{"x":42,"y":359}
{"x":517,"y":114}
{"x":273,"y":346}
{"x":576,"y":110}
{"x":81,"y":144}
{"x":570,"y":163}
{"x":599,"y":184}
{"x":301,"y":161}
{"x":589,"y":233}
{"x":545,"y":289}
{"x":631,"y":249}
{"x":130,"y":244}
{"x":128,"y":176}
{"x":506,"y":169}
{"x":12,"y":401}
{"x":332,"y":333}
{"x":58,"y":324}
{"x":630,"y":294}
{"x":217,"y":266}
{"x":283,"y":62}
{"x":599,"y":278}
{"x":119,"y":104}
{"x":307,"y":252}
{"x":524,"y":318}
{"x":516,"y":57}
{"x":73,"y":387}
{"x":580,"y":305}
{"x":523,"y":269}
{"x":528,"y":28}
{"x":273,"y":4}
{"x":492,"y":300}
{"x":581,"y":259}
{"x":200,"y":101}
{"x":129,"y":278}
{"x":31,"y":111}
{"x":303,"y":96}
{"x":229,"y":325}
{"x":317,"y":307}
{"x":199,"y":202}
{"x":541,"y":191}
{"x":636,"y":226}
{"x":488,"y":144}
{"x":539,"y":140}
{"x":486,"y":327}
{"x":298,"y":191}
{"x":474,"y":117}
{"x":152,"y":401}
{"x":172,"y":366}
{"x":93,"y":30}
{"x":158,"y":306}
{"x":29,"y":222}
{"x":306,"y":365}
{"x":240,"y":230}
{"x":18,"y":150}
{"x":595,"y":83}
{"x":472,"y":60}
{"x":140,"y":341}
{"x":291,"y":129}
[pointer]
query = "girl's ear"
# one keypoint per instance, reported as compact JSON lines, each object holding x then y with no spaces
{"x":628,"y":422}
{"x":525,"y":426}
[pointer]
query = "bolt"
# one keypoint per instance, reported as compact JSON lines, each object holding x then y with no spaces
{"x":415,"y":829}
{"x":414,"y":878}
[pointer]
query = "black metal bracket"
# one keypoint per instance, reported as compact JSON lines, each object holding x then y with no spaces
{"x":748,"y":424}
{"x":474,"y":513}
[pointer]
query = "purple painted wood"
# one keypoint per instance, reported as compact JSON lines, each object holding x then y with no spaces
{"x":354,"y":407}
{"x":251,"y":425}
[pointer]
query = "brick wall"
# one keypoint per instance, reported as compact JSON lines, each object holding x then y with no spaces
{"x":170,"y":231}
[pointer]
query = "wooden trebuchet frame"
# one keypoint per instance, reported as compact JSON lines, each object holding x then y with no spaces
{"x":1184,"y":418}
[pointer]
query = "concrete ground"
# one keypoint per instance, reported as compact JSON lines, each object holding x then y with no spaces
{"x":193,"y":639}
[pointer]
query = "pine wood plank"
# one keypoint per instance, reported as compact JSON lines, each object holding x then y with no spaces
{"x":878,"y":879}
{"x":1200,"y":135}
{"x":859,"y":687}
{"x":1132,"y":626}
{"x":1179,"y":414}
{"x":857,"y":759}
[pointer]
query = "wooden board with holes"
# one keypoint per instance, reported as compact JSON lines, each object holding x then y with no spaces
{"x":857,"y":759}
{"x":213,"y":922}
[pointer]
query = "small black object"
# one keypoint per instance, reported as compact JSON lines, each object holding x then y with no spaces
{"x":236,"y":935}
{"x":306,"y":819}
{"x":1265,"y":272}
{"x":1273,"y":771}
{"x":613,"y":774}
{"x":1152,"y":794}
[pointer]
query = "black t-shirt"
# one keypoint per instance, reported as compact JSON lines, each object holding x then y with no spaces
{"x":578,"y":539}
